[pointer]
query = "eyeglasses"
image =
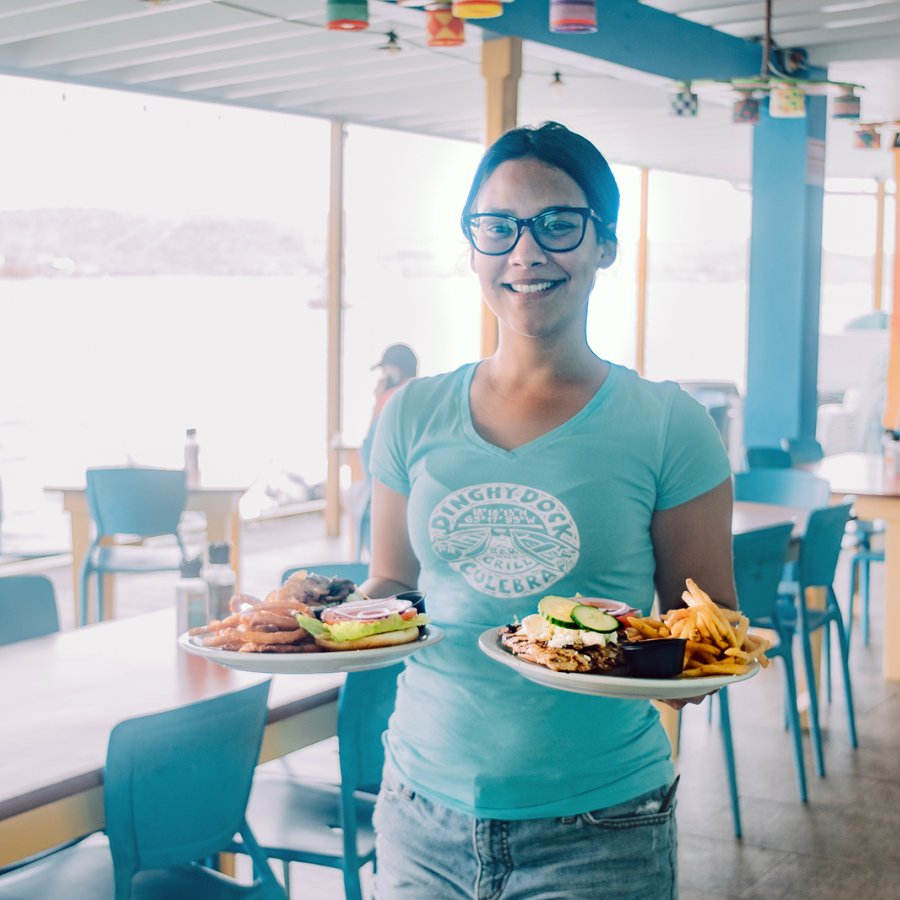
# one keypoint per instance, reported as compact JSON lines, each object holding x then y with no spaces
{"x":557,"y":230}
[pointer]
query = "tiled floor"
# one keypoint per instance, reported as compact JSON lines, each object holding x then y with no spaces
{"x":843,"y":843}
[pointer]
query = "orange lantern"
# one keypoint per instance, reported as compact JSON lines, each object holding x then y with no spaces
{"x":477,"y":9}
{"x":444,"y":29}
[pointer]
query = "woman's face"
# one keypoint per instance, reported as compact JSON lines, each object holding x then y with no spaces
{"x":534,"y":292}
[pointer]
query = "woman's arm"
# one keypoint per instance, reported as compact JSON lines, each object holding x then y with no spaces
{"x":693,"y":540}
{"x":393,"y":567}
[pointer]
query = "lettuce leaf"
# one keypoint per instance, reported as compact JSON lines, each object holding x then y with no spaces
{"x":351,"y":631}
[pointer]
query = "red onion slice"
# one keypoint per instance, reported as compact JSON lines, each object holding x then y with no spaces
{"x":365,"y":610}
{"x":614,"y":607}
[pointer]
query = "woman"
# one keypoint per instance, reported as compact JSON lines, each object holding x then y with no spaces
{"x":540,"y":470}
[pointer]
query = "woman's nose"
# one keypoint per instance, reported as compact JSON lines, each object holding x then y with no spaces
{"x":527,"y":252}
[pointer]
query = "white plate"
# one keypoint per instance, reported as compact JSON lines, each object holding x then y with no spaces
{"x":313,"y":663}
{"x":621,"y":686}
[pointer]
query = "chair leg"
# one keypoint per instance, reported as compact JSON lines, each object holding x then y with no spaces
{"x":790,"y":681}
{"x":85,"y":588}
{"x":854,"y":587}
{"x":845,"y":669}
{"x":826,"y":658}
{"x":286,"y":870}
{"x":864,"y":598}
{"x":812,"y":692}
{"x":100,"y":606}
{"x":725,"y":724}
{"x":352,"y":889}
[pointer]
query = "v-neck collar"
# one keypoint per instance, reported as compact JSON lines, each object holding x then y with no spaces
{"x":468,"y":426}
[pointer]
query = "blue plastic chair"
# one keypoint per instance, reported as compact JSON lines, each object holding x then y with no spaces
{"x":175,"y":790}
{"x":767,"y":458}
{"x":326,"y":824}
{"x":819,"y":553}
{"x":785,"y":487}
{"x":357,"y":572}
{"x":131,"y":501}
{"x":27,"y":608}
{"x":860,"y":564}
{"x":803,"y":450}
{"x":758,"y":564}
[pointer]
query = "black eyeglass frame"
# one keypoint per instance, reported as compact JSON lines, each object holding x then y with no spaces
{"x":586,"y":213}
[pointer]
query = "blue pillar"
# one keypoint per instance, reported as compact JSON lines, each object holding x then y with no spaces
{"x":785,"y":264}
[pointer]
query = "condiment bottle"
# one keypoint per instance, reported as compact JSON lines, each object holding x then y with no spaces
{"x":191,"y":458}
{"x":220,"y":581}
{"x":190,"y":596}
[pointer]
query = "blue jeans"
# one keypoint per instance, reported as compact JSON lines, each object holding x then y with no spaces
{"x":426,"y":851}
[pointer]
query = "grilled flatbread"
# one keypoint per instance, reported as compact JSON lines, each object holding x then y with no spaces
{"x":560,"y":659}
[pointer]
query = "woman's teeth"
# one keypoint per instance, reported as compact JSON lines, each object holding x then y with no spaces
{"x":531,"y":288}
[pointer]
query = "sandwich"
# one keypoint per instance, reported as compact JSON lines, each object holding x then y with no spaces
{"x":365,"y":624}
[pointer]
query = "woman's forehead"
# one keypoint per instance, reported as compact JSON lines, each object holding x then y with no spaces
{"x":528,"y":182}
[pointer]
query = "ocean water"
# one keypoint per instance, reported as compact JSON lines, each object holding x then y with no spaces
{"x":108,"y":371}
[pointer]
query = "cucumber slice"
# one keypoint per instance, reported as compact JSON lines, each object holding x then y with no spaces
{"x":558,"y":611}
{"x":590,"y":618}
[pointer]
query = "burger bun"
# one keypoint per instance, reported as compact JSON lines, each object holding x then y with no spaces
{"x":385,"y":639}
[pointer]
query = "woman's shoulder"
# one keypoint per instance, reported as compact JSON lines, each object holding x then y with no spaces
{"x":637,"y":386}
{"x":428,"y":388}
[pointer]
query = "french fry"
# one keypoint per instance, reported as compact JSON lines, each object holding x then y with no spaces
{"x":718,"y":640}
{"x":644,"y":626}
{"x":722,"y":668}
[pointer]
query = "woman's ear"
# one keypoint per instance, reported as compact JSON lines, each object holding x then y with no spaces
{"x":606,"y":254}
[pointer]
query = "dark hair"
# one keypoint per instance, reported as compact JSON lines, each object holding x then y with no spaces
{"x":554,"y":145}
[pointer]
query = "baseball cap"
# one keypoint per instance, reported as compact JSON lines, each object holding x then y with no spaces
{"x":402,"y":357}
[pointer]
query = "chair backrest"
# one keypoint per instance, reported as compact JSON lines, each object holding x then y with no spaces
{"x":768,"y":458}
{"x":785,"y":487}
{"x":357,"y":572}
{"x":821,"y":546}
{"x":365,"y":705}
{"x":27,"y":608}
{"x":759,"y":558}
{"x":176,"y":783}
{"x":803,"y":450}
{"x":132,"y":500}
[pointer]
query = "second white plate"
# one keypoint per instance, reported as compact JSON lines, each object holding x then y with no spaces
{"x":622,"y":687}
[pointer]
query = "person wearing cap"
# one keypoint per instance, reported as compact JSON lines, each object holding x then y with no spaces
{"x":398,"y":365}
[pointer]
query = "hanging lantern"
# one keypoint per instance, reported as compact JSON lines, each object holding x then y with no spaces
{"x":745,"y":110}
{"x":786,"y":101}
{"x":477,"y":9}
{"x":573,"y":16}
{"x":845,"y":106}
{"x":866,"y":138}
{"x":348,"y":15}
{"x":684,"y":102}
{"x":444,"y":29}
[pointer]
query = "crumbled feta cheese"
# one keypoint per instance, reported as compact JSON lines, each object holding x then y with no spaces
{"x":539,"y":629}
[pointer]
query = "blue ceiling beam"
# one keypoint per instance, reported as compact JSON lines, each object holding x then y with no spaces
{"x":637,"y":36}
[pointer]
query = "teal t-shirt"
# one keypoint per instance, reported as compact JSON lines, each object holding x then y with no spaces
{"x":494,"y":531}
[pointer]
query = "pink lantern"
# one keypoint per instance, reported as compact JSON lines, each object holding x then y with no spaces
{"x":444,"y":29}
{"x":573,"y":16}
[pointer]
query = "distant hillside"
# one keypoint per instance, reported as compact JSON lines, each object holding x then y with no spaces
{"x":87,"y":242}
{"x":90,"y":242}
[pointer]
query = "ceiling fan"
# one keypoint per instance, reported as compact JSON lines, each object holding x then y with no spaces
{"x":781,"y":81}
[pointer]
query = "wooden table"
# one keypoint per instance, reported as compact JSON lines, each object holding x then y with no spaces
{"x":223,"y":523}
{"x":875,"y":484}
{"x":64,"y":693}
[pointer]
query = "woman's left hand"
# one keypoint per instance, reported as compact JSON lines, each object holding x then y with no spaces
{"x":679,"y":704}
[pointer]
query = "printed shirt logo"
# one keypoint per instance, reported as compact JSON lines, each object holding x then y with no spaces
{"x":506,"y":540}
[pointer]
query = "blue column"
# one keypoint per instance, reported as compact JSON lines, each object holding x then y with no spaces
{"x":785,"y":264}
